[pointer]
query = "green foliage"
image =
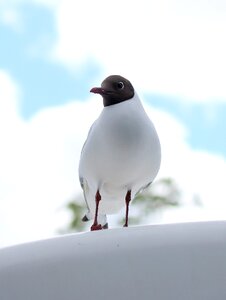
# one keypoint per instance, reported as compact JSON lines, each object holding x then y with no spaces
{"x":77,"y":211}
{"x":161,"y":194}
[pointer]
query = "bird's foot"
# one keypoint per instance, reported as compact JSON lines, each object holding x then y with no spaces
{"x":96,"y":227}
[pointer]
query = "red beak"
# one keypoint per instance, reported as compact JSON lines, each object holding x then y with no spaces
{"x":97,"y":90}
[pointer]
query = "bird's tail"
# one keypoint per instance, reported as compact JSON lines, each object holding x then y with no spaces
{"x":87,"y":217}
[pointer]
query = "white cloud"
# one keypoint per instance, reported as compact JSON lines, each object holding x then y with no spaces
{"x":39,"y":161}
{"x":171,"y":47}
{"x":197,"y":172}
{"x":11,"y":18}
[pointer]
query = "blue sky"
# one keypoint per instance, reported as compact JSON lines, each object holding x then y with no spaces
{"x":43,"y":83}
{"x":205,"y":122}
{"x":47,"y":83}
{"x":53,"y":52}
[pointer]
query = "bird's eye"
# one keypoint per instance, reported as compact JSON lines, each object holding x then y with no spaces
{"x":120,"y":85}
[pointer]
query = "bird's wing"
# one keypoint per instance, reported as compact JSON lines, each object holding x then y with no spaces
{"x":143,"y":188}
{"x":84,"y":186}
{"x":82,"y":180}
{"x":90,"y":130}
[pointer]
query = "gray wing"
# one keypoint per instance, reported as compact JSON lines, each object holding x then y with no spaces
{"x":84,"y":186}
{"x":143,"y":188}
{"x":90,"y":130}
{"x":82,"y":180}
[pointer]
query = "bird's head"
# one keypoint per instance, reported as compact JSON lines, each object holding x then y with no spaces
{"x":114,"y":89}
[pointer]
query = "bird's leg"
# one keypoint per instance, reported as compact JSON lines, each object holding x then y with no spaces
{"x":127,"y":199}
{"x":95,"y":225}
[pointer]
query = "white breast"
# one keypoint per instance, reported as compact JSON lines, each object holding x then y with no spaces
{"x":122,"y":152}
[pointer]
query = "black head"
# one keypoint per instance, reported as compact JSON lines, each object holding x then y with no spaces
{"x":114,"y":89}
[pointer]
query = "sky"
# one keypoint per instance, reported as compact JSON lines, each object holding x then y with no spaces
{"x":53,"y":52}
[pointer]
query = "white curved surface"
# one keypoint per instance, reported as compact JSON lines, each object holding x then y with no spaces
{"x":161,"y":262}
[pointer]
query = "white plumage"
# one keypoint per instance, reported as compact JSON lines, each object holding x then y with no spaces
{"x":122,"y":153}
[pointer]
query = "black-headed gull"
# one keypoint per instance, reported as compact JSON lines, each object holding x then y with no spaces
{"x":121,"y":155}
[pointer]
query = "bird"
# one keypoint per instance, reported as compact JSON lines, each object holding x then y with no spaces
{"x":121,"y":155}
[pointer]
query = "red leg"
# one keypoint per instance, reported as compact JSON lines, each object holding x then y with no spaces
{"x":95,"y":225}
{"x":127,"y":199}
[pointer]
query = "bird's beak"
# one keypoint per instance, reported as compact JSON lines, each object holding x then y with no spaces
{"x":98,"y":90}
